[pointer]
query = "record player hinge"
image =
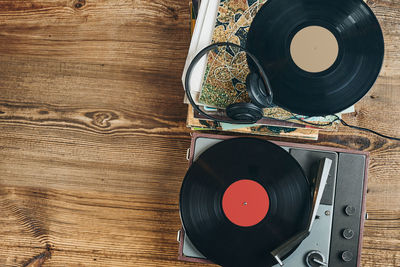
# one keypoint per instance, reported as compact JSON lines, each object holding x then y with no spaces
{"x":188,"y":154}
{"x":178,"y":237}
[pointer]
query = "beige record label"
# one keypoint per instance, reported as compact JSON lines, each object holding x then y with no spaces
{"x":314,"y":49}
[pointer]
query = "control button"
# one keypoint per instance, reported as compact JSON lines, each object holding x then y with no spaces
{"x":315,"y":259}
{"x":350,"y":210}
{"x":348,"y":233}
{"x":347,"y":256}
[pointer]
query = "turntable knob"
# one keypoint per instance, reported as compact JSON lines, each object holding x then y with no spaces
{"x":347,"y":256}
{"x":350,"y":210}
{"x":315,"y":259}
{"x":348,"y":233}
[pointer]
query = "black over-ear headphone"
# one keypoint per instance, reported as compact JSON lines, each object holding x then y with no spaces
{"x":257,"y":85}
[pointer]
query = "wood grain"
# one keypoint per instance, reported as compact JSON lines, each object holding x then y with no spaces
{"x":93,"y":137}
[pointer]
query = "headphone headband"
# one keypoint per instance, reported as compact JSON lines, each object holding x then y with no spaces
{"x":200,"y":55}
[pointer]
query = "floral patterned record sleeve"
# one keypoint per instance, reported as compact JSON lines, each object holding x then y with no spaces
{"x":226,"y":70}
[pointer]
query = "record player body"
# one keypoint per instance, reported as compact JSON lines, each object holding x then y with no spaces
{"x":336,"y":234}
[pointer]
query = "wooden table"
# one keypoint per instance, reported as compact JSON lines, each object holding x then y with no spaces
{"x":93,"y":136}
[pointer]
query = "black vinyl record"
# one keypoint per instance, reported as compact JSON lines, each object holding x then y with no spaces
{"x":349,"y":77}
{"x":241,"y":199}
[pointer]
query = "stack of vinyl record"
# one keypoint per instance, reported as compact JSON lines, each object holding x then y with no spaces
{"x":321,"y":58}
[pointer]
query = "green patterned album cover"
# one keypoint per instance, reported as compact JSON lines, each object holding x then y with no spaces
{"x":226,"y":71}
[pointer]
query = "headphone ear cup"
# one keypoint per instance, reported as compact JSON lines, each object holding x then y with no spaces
{"x":244,"y":112}
{"x":256,"y":89}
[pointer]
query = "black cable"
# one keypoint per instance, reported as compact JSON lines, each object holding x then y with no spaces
{"x":367,"y":130}
{"x":348,"y":125}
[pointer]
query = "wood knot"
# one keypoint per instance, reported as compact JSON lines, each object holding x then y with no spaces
{"x":371,"y":2}
{"x":379,"y":143}
{"x":102,"y":119}
{"x":359,"y":142}
{"x":79,"y":3}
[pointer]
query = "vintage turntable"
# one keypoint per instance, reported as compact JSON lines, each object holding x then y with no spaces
{"x":214,"y":230}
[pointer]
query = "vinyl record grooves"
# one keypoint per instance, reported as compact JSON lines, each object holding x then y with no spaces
{"x":278,"y":194}
{"x":349,"y":77}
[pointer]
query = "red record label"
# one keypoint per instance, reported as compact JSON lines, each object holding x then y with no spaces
{"x":245,"y":203}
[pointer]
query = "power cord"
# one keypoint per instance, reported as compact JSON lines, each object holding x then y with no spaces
{"x":347,"y":125}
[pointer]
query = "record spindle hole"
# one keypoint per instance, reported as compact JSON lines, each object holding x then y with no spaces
{"x":245,"y":203}
{"x":314,"y":49}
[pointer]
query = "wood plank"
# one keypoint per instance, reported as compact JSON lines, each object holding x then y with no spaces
{"x":93,"y":137}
